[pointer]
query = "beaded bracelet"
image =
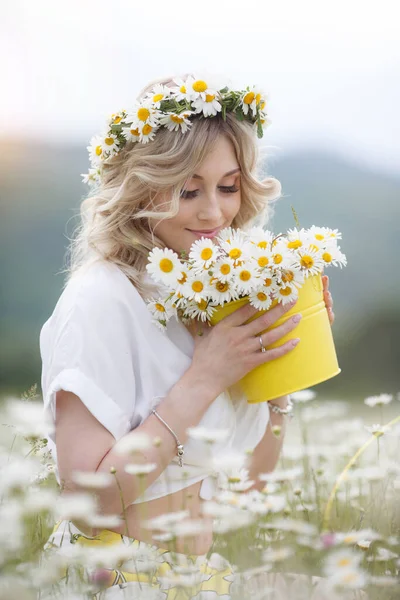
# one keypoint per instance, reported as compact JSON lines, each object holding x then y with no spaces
{"x":288,"y":411}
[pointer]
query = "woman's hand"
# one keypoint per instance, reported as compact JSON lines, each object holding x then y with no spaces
{"x":232,"y":348}
{"x":328,"y":299}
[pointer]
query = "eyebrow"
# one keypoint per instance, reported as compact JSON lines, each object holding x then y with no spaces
{"x":226,"y":174}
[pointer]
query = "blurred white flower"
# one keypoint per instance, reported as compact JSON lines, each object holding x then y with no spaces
{"x":352,"y":578}
{"x":272,"y":555}
{"x":105,"y":521}
{"x":282,"y":475}
{"x":133,"y":442}
{"x":376,"y":428}
{"x":233,"y":522}
{"x":353,"y":537}
{"x":231,"y":459}
{"x":76,"y":506}
{"x":144,"y":469}
{"x":29,"y":418}
{"x":235,"y":479}
{"x":293,"y":525}
{"x":303,"y":396}
{"x":95,"y":480}
{"x":341,"y":560}
{"x":378,"y":400}
{"x":382,"y":555}
{"x":165,"y":520}
{"x":18,"y":474}
{"x":207,"y":434}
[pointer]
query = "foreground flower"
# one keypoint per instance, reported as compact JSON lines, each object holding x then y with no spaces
{"x":378,"y":400}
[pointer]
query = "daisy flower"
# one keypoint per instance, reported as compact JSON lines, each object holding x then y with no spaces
{"x":96,"y":150}
{"x":262,"y":238}
{"x":209,"y":106}
{"x":236,"y":246}
{"x":286,"y":294}
{"x":247,"y":277}
{"x":280,"y":257}
{"x":348,"y":578}
{"x":175,"y":121}
{"x":223,"y":269}
{"x":378,"y":400}
{"x":333,"y":256}
{"x":183,"y":89}
{"x":307,"y":261}
{"x":199,"y":89}
{"x":164,"y":265}
{"x":260,"y":299}
{"x":197,"y":287}
{"x":202,"y":310}
{"x":131,"y":133}
{"x":143,"y":113}
{"x":147,"y":133}
{"x":341,"y":560}
{"x":93,"y":177}
{"x":110,"y":144}
{"x":324,"y":234}
{"x":222,"y":292}
{"x":158,"y":94}
{"x":117,"y":118}
{"x":252,"y":99}
{"x":203,"y":253}
{"x":292,"y":277}
{"x":161,"y":310}
{"x":296,"y":239}
{"x":263,"y":257}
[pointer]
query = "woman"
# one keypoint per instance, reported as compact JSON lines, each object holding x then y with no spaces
{"x":106,"y":365}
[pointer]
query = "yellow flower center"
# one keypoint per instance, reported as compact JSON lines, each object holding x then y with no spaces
{"x":158,"y":97}
{"x":225,"y":269}
{"x":263,"y":261}
{"x":147,"y":129}
{"x":235,"y":253}
{"x":202,"y":304}
{"x":249,"y":97}
{"x":245,"y":275}
{"x":182,"y":89}
{"x":200,"y":86}
{"x":134,"y":131}
{"x":278,"y":258}
{"x":159,"y":307}
{"x":166,"y":265}
{"x":344,"y":562}
{"x":143,"y":114}
{"x":206,"y":253}
{"x":307,"y":261}
{"x":210,"y":97}
{"x":295,"y":244}
{"x":288,"y":276}
{"x":261,"y":296}
{"x":183,"y":278}
{"x":258,"y":98}
{"x":262,"y":245}
{"x":313,"y":247}
{"x":286,"y":291}
{"x":267,"y":281}
{"x":109,"y":141}
{"x":262,"y":105}
{"x":176,"y":119}
{"x":197,"y":286}
{"x":117,"y":120}
{"x":98,"y":150}
{"x":234,"y":479}
{"x":319,"y":236}
{"x":327,"y":257}
{"x":222,"y":287}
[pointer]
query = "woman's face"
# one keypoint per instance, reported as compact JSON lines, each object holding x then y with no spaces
{"x":209,"y":202}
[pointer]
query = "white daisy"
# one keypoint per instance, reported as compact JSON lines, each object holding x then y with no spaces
{"x":110,"y":144}
{"x":196,"y":287}
{"x":198,"y":88}
{"x":202,"y":310}
{"x":143,"y":113}
{"x":161,"y":310}
{"x":117,"y":118}
{"x":147,"y":133}
{"x":223,"y":269}
{"x":209,"y":106}
{"x":131,"y":133}
{"x":96,"y":150}
{"x":203,"y":253}
{"x":247,"y":277}
{"x":236,"y":245}
{"x":352,"y":578}
{"x":281,"y":257}
{"x":207,"y":434}
{"x":333,"y":256}
{"x":307,"y":261}
{"x":158,"y":94}
{"x":235,"y":480}
{"x":260,"y":237}
{"x":93,"y":177}
{"x":296,"y":239}
{"x":341,"y":560}
{"x":291,"y":277}
{"x":134,"y":469}
{"x":262,"y":256}
{"x":164,"y":265}
{"x":378,"y":400}
{"x":174,"y":121}
{"x":222,"y":292}
{"x":183,"y":89}
{"x":260,"y":299}
{"x":269,"y":281}
{"x":253,"y":98}
{"x":324,"y":234}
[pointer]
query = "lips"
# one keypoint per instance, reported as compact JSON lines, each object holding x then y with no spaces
{"x":206,"y":232}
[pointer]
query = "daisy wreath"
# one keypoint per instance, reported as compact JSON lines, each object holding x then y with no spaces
{"x":173,"y":107}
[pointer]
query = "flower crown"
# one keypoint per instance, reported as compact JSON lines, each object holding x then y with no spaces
{"x":172,"y":107}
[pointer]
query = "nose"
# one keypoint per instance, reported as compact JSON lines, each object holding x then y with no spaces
{"x":210,"y":209}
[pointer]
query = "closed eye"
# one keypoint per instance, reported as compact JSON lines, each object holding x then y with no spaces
{"x":225,"y":189}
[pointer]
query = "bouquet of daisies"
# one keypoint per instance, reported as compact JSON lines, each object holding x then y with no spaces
{"x":236,"y":264}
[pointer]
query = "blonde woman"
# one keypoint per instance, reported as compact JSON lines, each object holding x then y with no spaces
{"x":106,"y":366}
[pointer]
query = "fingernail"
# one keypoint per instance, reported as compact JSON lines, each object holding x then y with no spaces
{"x":296,"y":318}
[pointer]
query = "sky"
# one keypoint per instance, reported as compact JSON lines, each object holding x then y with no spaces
{"x":331,"y":69}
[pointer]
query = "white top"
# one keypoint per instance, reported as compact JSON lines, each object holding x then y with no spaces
{"x":101,"y":344}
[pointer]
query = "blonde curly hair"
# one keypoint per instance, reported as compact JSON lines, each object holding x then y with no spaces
{"x":114,"y":219}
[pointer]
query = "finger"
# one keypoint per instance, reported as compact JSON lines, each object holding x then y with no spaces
{"x":266,"y":319}
{"x":240,"y":316}
{"x":275,"y":334}
{"x":273,"y":353}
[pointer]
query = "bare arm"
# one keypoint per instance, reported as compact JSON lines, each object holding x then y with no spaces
{"x":84,"y":444}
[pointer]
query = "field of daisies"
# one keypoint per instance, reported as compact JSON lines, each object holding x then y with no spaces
{"x":325,"y":526}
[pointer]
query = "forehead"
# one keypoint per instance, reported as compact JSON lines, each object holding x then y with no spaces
{"x":221,"y":161}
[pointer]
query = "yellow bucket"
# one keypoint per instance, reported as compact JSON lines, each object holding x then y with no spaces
{"x":312,"y":361}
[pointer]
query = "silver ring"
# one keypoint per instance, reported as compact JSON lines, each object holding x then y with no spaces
{"x":263,"y":348}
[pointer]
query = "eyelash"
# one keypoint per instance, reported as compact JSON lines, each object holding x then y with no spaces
{"x":226,"y":189}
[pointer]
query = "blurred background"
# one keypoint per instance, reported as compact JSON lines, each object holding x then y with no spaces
{"x":331,"y":71}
